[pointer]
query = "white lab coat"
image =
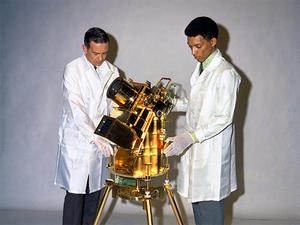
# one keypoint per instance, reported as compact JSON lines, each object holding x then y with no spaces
{"x":85,"y":102}
{"x":207,"y":169}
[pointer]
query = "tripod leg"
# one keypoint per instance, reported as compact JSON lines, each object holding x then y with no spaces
{"x":109,"y":184}
{"x":173,"y":203}
{"x":148,"y":211}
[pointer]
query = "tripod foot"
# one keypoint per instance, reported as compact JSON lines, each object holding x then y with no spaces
{"x":148,"y":211}
{"x":109,"y":184}
{"x":173,"y":203}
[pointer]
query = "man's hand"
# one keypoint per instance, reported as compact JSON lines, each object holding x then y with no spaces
{"x":180,"y":142}
{"x":104,"y":145}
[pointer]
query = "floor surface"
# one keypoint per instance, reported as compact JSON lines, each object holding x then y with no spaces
{"x":23,"y":217}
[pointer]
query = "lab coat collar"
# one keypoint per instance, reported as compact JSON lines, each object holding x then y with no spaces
{"x":88,"y":66}
{"x":105,"y":68}
{"x":196,"y":78}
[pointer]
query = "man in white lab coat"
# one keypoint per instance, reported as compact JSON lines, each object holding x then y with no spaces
{"x":206,"y":172}
{"x":82,"y":155}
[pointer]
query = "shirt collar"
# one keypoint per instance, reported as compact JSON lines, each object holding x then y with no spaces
{"x":207,"y":61}
{"x":91,"y":65}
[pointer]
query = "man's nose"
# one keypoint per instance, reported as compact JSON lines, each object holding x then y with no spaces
{"x":193,"y":51}
{"x":100,"y":57}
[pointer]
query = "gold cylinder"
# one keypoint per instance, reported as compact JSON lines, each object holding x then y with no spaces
{"x":138,"y":167}
{"x":147,"y":150}
{"x":154,"y":148}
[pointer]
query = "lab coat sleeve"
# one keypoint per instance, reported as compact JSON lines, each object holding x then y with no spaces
{"x":226,"y":95}
{"x":75,"y":106}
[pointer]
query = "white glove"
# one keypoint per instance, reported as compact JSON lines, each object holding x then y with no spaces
{"x":105,"y":146}
{"x":180,"y":142}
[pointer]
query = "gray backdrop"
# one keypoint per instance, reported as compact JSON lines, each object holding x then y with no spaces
{"x":261,"y":38}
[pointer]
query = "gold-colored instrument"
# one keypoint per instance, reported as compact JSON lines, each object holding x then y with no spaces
{"x":137,"y":127}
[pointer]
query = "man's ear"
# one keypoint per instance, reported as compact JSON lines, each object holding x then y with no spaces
{"x":84,"y":48}
{"x":213,"y":42}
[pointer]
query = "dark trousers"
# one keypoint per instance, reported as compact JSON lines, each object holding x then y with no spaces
{"x":209,"y":212}
{"x":80,"y":209}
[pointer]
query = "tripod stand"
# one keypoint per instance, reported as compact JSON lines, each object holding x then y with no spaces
{"x":145,"y":194}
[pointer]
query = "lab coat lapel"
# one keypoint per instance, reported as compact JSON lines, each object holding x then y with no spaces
{"x":105,"y":79}
{"x":196,"y":78}
{"x":106,"y":74}
{"x":92,"y":81}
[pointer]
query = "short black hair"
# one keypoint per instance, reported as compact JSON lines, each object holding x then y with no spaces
{"x":95,"y":34}
{"x":203,"y":26}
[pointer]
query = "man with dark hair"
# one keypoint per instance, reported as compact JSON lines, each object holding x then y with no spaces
{"x":82,"y":155}
{"x":206,"y":172}
{"x":96,"y":35}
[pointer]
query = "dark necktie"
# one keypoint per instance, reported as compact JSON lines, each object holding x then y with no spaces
{"x":200,"y":68}
{"x":95,"y":67}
